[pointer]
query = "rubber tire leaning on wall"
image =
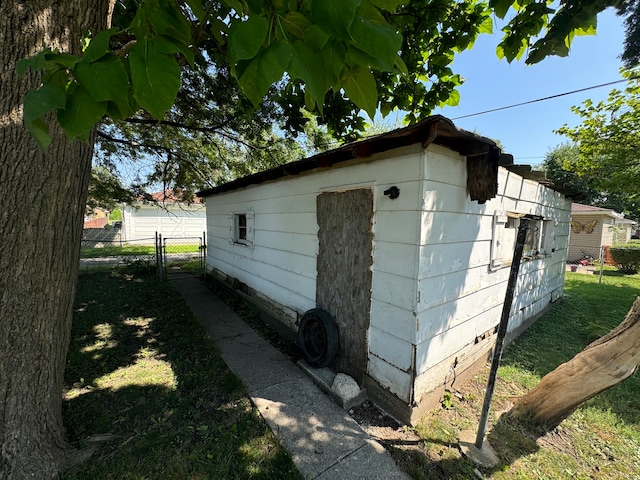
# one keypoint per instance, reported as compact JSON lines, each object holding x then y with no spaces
{"x":318,"y":337}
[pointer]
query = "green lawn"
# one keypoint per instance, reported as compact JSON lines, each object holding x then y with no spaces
{"x":601,"y":440}
{"x":143,"y":376}
{"x":133,"y":250}
{"x":141,"y":370}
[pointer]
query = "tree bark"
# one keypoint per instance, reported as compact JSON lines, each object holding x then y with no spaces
{"x":603,"y":364}
{"x":42,"y":198}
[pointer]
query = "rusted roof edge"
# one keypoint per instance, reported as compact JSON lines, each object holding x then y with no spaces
{"x":435,"y":129}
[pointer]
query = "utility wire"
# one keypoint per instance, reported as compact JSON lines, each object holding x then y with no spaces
{"x":546,"y":98}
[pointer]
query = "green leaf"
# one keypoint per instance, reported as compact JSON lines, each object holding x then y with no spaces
{"x":332,"y":57}
{"x":168,"y":20}
{"x":454,"y":98}
{"x":486,"y":26}
{"x":355,"y":56}
{"x":388,"y":5}
{"x":35,"y":63}
{"x":196,"y":8}
{"x":315,"y":38}
{"x":306,"y":67}
{"x":360,"y":86}
{"x":371,"y":13}
{"x":155,"y":77}
{"x":81,"y":114}
{"x":246,"y":38}
{"x":379,"y":41}
{"x":402,"y":67}
{"x":170,"y":45}
{"x":335,"y":16}
{"x":40,"y":131}
{"x":500,"y":7}
{"x":250,"y":82}
{"x":235,"y":5}
{"x":255,"y":5}
{"x":105,"y":80}
{"x":65,"y":60}
{"x":265,"y":69}
{"x":37,"y":103}
{"x":295,"y":23}
{"x":98,"y":46}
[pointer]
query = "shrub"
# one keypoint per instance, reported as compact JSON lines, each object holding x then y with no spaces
{"x":627,"y":257}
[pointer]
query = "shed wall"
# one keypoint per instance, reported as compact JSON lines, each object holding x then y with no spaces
{"x":433,"y":293}
{"x":460,"y":297}
{"x":281,"y":265}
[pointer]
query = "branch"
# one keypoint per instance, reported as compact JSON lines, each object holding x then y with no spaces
{"x":132,"y":143}
{"x":151,"y":121}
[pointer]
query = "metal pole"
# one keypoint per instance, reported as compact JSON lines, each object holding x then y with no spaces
{"x":601,"y":263}
{"x":502,"y":329}
{"x":157,"y":257}
{"x":203,"y":254}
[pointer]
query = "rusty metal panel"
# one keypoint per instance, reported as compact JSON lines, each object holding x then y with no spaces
{"x":344,"y":272}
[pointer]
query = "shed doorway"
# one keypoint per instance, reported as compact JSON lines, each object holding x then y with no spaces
{"x":344,"y":272}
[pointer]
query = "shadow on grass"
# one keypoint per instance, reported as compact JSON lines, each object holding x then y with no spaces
{"x":143,"y":376}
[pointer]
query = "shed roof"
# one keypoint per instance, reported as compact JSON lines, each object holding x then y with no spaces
{"x":435,"y":129}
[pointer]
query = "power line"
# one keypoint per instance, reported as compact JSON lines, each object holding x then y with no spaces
{"x":545,"y":98}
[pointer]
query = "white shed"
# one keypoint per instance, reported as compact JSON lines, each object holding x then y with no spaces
{"x":165,"y":215}
{"x":415,"y":281}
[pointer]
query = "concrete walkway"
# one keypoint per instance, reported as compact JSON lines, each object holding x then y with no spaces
{"x":323,"y":440}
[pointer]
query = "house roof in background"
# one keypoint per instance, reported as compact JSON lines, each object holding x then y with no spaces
{"x":435,"y":129}
{"x":578,"y":208}
{"x":166,"y":196}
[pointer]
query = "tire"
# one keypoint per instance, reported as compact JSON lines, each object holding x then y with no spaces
{"x":318,"y":337}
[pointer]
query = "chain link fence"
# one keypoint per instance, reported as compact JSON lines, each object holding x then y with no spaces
{"x":106,"y":247}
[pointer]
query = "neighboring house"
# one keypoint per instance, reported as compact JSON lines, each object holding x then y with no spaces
{"x":406,"y":239}
{"x":595,"y":227}
{"x":95,"y":218}
{"x":165,"y":215}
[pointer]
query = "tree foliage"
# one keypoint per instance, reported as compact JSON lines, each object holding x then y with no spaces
{"x":336,"y":57}
{"x":558,"y":164}
{"x":605,"y":156}
{"x":631,"y":10}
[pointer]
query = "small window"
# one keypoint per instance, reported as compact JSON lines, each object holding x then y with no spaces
{"x":538,"y":240}
{"x":242,"y":228}
{"x":241,"y":225}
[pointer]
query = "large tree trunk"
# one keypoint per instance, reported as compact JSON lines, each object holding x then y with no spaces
{"x":603,"y":364}
{"x":42,"y":201}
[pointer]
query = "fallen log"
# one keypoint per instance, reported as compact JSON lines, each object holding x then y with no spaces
{"x":600,"y":366}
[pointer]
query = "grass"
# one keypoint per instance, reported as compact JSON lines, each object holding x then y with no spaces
{"x":144,"y":379}
{"x":601,"y":440}
{"x":133,"y":250}
{"x":143,"y":375}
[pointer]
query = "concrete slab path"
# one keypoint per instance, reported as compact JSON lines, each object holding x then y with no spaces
{"x":323,"y":440}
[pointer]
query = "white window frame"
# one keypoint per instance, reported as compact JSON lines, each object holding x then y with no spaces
{"x":242,"y":234}
{"x":539,"y":242}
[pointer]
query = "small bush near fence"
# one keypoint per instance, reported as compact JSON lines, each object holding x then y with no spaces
{"x":627,"y":257}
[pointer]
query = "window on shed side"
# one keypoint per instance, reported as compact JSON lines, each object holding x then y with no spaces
{"x":538,"y":240}
{"x":242,"y":228}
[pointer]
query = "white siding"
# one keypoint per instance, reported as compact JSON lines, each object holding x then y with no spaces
{"x":432,"y":290}
{"x":172,"y":221}
{"x":460,"y":298}
{"x":282,"y":264}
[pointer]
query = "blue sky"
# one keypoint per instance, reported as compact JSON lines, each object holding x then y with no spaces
{"x":527,"y":131}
